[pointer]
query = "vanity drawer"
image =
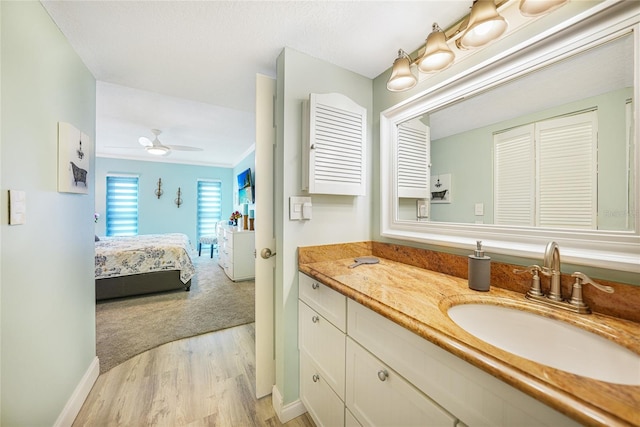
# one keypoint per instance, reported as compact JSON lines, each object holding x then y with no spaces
{"x":378,"y":396}
{"x":324,"y":344}
{"x":328,"y":303}
{"x":324,"y":406}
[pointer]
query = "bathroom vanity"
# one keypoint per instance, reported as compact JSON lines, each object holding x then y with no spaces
{"x":378,"y":348}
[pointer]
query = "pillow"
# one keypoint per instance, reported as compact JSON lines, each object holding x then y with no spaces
{"x":97,"y":238}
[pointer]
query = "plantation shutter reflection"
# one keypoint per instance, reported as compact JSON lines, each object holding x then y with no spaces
{"x":122,"y":206}
{"x":545,"y":173}
{"x":209,"y":207}
{"x":567,"y":190}
{"x":413,"y":160}
{"x":514,"y":177}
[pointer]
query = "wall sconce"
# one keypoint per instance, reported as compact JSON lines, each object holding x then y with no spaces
{"x":159,"y":191}
{"x":483,"y":25}
{"x":178,"y":200}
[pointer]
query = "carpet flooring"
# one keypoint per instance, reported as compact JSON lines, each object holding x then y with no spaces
{"x":129,"y":326}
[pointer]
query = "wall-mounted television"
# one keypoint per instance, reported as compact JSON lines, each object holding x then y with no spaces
{"x":246,"y":188}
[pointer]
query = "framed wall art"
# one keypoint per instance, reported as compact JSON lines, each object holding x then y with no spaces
{"x":441,"y":188}
{"x":74,"y":156}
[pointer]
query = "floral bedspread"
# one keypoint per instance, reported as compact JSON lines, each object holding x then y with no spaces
{"x":123,"y":256}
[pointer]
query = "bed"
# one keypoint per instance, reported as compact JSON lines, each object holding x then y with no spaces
{"x":138,"y":265}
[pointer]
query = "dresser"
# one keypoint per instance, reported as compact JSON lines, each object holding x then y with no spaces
{"x":236,"y":249}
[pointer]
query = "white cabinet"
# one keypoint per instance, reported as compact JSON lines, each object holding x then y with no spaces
{"x":236,"y":253}
{"x":379,"y":396}
{"x":321,"y":341}
{"x":358,"y":368}
{"x":472,"y":395}
{"x":334,"y":145}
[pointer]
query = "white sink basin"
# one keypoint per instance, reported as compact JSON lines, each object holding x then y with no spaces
{"x":549,"y":342}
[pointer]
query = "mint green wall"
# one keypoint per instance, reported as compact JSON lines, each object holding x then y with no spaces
{"x":472,"y":179}
{"x":383,"y":100}
{"x":335,"y":218}
{"x":162,"y":215}
{"x":47,"y":303}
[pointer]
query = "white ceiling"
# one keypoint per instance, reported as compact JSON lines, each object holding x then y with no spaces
{"x":188,"y":68}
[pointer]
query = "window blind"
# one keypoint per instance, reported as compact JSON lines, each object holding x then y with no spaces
{"x":209,"y":207}
{"x":122,"y":206}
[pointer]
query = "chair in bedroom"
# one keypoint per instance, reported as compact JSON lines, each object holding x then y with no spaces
{"x":207,"y":240}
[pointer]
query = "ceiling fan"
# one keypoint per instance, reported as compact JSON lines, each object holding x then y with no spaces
{"x":159,"y":149}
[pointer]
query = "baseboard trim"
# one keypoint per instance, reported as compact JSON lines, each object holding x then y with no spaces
{"x":79,"y":395}
{"x":288,"y":412}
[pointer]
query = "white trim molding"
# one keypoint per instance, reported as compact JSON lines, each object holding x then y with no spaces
{"x":288,"y":412}
{"x":79,"y":395}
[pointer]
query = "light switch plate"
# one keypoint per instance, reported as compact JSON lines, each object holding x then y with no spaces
{"x":296,"y":205}
{"x":17,"y":207}
{"x":479,"y":209}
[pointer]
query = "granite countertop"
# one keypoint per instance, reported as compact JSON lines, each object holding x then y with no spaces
{"x":418,"y":299}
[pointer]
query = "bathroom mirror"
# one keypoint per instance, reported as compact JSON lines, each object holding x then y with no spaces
{"x":539,"y":146}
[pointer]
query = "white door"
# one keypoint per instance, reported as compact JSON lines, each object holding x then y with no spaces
{"x":265,"y":236}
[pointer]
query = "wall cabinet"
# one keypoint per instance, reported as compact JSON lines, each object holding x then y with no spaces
{"x":367,"y":370}
{"x":236,"y":253}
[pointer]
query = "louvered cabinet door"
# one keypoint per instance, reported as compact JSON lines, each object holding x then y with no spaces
{"x":414,"y":160}
{"x":335,"y":145}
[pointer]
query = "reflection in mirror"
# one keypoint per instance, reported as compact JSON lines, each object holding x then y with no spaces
{"x":553,"y":148}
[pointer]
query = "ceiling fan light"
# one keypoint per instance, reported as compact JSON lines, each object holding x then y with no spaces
{"x":437,"y":54}
{"x":158,"y":150}
{"x":401,"y":76}
{"x":485,"y":25}
{"x":532,"y":8}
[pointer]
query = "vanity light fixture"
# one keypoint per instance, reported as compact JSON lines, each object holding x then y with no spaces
{"x":539,"y":7}
{"x":485,"y":25}
{"x":437,"y":54}
{"x":402,"y":78}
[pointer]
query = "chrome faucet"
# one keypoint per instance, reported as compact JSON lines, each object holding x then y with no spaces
{"x":551,"y":267}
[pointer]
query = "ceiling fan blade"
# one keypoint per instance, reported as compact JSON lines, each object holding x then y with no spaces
{"x":184,"y":148}
{"x":145,"y":142}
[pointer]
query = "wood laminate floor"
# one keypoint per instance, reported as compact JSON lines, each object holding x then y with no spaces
{"x":207,"y":380}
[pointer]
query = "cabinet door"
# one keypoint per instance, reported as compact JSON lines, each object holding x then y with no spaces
{"x":378,"y":396}
{"x":324,"y":406}
{"x":324,"y":344}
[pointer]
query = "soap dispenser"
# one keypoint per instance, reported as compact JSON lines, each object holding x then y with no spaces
{"x":479,"y":269}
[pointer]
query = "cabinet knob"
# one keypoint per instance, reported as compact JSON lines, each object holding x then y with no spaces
{"x":315,"y":378}
{"x":315,"y":285}
{"x":315,"y":319}
{"x":383,"y":374}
